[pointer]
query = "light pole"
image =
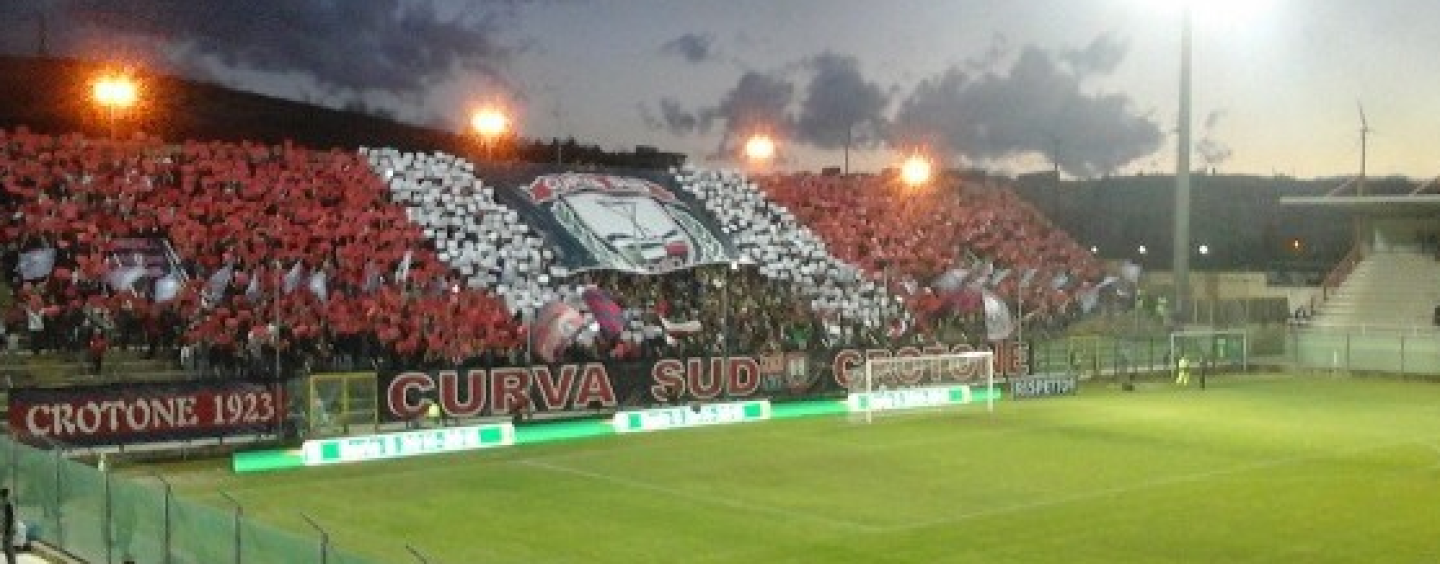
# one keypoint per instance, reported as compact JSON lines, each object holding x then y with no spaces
{"x":1181,"y":248}
{"x":115,"y":93}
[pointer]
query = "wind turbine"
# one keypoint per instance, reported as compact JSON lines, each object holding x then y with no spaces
{"x":1364,"y":144}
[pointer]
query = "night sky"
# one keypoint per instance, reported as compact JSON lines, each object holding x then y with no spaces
{"x":1005,"y":84}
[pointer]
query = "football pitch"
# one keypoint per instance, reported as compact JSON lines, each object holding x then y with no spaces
{"x":1257,"y":468}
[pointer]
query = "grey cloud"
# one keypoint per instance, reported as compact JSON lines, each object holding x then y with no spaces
{"x":673,"y":118}
{"x":400,"y":47}
{"x":692,"y":47}
{"x":758,"y":101}
{"x":1212,"y":151}
{"x":840,"y":106}
{"x":1028,"y":109}
{"x":1101,"y":56}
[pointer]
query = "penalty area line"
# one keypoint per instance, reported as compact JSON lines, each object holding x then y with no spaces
{"x":689,"y":496}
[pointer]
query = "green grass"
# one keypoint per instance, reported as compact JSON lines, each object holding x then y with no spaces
{"x":1274,"y":469}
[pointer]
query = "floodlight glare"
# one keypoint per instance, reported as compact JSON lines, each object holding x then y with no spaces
{"x":760,"y":148}
{"x":915,"y":171}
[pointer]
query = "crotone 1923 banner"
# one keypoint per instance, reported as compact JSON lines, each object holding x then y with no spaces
{"x":580,"y":388}
{"x":131,"y":413}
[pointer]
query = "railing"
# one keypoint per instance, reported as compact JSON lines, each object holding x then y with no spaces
{"x":99,"y":516}
{"x":1369,"y":348}
{"x":1337,"y":276}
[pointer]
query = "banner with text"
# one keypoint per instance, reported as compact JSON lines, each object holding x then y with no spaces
{"x":581,"y":388}
{"x":132,"y":413}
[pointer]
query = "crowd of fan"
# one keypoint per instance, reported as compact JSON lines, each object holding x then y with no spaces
{"x":287,"y":252}
{"x":912,"y":237}
{"x":293,"y":256}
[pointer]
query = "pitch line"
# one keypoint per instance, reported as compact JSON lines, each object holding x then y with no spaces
{"x":1141,"y":486}
{"x":689,"y":496}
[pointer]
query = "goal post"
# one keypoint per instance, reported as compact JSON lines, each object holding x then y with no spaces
{"x":1220,"y":349}
{"x":907,"y":383}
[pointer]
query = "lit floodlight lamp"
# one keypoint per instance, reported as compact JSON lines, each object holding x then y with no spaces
{"x":916,"y":170}
{"x":760,"y":148}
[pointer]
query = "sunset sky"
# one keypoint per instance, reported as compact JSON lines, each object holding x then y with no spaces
{"x":993,"y":83}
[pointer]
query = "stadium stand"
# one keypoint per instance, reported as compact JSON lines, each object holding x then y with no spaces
{"x":282,"y":248}
{"x":943,"y":246}
{"x":1395,"y":289}
{"x":232,"y":257}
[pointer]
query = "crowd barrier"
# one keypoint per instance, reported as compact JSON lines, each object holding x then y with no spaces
{"x":101,"y":516}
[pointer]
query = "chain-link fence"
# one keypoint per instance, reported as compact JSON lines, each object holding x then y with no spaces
{"x":100,"y":516}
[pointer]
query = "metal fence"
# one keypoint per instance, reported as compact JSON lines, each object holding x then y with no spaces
{"x":1395,"y":350}
{"x":100,"y":516}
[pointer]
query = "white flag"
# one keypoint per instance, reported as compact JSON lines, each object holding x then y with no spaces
{"x":167,"y":288}
{"x":124,"y":278}
{"x":292,"y":278}
{"x":999,"y":324}
{"x":951,"y":280}
{"x":404,"y":271}
{"x":372,"y":277}
{"x":252,"y":291}
{"x":36,"y":264}
{"x":215,"y":288}
{"x":317,"y":285}
{"x":1027,"y":277}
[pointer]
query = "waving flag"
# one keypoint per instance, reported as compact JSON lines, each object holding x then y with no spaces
{"x":403,"y":271}
{"x":167,"y":288}
{"x":999,"y":324}
{"x":292,"y":278}
{"x":124,"y":278}
{"x":951,"y":280}
{"x":607,"y":313}
{"x":317,"y":285}
{"x":215,"y":287}
{"x":555,"y":327}
{"x":36,"y":264}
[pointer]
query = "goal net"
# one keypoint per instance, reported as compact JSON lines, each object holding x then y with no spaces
{"x":1219,"y":350}
{"x":909,"y":383}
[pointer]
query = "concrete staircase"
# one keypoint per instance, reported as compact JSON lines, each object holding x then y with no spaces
{"x":1386,"y":291}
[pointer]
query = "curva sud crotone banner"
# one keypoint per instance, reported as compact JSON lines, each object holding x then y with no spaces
{"x":640,"y":221}
{"x":582,"y":387}
{"x":131,"y":413}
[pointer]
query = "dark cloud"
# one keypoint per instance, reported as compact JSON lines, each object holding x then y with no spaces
{"x":758,"y":102}
{"x":692,"y":47}
{"x":1029,"y":108}
{"x":840,"y":106}
{"x":398,"y":47}
{"x":838,"y":102}
{"x":673,"y":118}
{"x":1212,"y":151}
{"x":1101,"y":56}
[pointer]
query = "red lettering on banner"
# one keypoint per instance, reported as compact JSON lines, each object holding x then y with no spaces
{"x":595,"y":387}
{"x":845,"y":361}
{"x":399,"y":396}
{"x":669,"y":377}
{"x":910,"y":373}
{"x":555,"y":395}
{"x":450,"y":389}
{"x":508,"y":388}
{"x":702,"y":385}
{"x":744,"y":375}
